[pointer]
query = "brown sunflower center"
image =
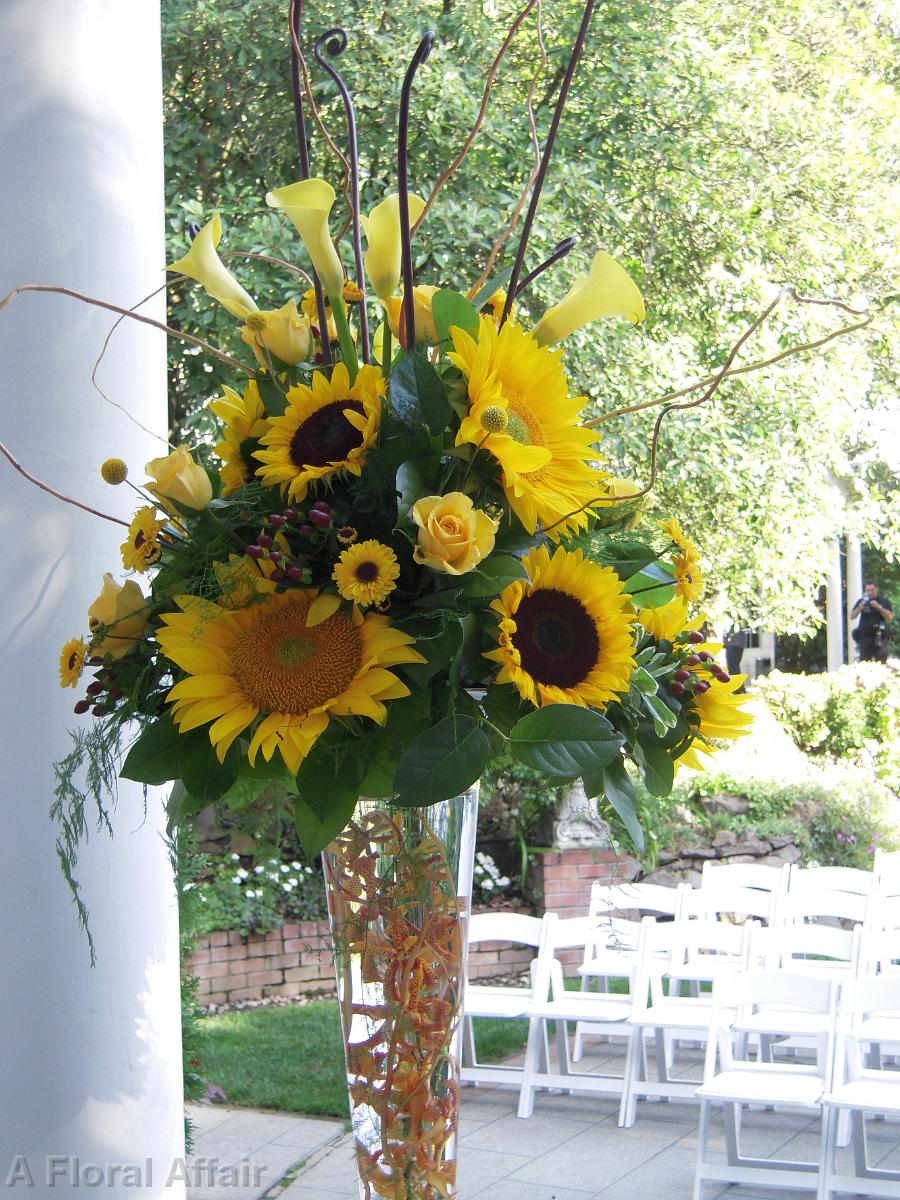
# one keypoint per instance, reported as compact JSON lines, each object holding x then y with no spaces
{"x":73,"y":660}
{"x":282,"y":666}
{"x":326,"y":435}
{"x":556,"y":638}
{"x":366,"y":571}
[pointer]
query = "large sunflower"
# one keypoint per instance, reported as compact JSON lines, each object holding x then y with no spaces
{"x":520,"y":411}
{"x":324,"y":429}
{"x":264,"y":661}
{"x":721,"y":717}
{"x":566,"y":632}
{"x":245,"y":422}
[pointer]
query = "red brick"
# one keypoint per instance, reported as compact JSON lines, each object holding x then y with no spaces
{"x":273,"y":938}
{"x":243,"y":994}
{"x":224,"y":983}
{"x":199,"y":956}
{"x":216,"y":998}
{"x":299,"y":974}
{"x":206,"y":971}
{"x":257,"y":949}
{"x":290,"y":929}
{"x":259,"y":978}
{"x":218,"y":939}
{"x":295,"y":945}
{"x":225,"y":953}
{"x":203,"y":986}
{"x":236,"y":938}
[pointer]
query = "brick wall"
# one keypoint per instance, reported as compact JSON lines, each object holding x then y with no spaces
{"x":296,"y":960}
{"x":564,"y":877}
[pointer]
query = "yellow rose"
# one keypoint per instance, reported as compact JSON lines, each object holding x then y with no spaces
{"x":177,"y":479}
{"x":281,"y":331}
{"x":453,"y":535}
{"x":122,"y":613}
{"x":422,"y":297}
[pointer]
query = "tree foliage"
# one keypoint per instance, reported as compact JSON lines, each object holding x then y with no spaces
{"x":718,"y":152}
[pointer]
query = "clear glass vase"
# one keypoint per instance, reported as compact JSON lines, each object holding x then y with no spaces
{"x":399,"y":897}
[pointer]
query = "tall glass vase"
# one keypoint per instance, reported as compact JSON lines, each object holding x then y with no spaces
{"x":399,"y":896}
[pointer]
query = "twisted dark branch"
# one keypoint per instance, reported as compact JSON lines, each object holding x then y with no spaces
{"x":335,"y":43}
{"x":545,"y":158}
{"x":559,"y":251}
{"x":407,"y":314}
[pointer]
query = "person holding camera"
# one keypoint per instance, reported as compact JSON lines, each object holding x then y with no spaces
{"x":871,"y":635}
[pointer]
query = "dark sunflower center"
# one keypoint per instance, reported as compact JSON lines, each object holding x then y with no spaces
{"x":139,"y":540}
{"x":556,"y":638}
{"x":367,"y":572}
{"x":326,"y":436}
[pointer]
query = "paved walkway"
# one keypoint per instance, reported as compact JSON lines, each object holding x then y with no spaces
{"x":571,"y":1149}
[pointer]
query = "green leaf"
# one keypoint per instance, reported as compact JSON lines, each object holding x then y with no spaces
{"x":154,"y":756}
{"x":642,"y":681}
{"x":502,"y":706}
{"x":417,"y":395}
{"x":450,"y":308}
{"x":617,"y":788}
{"x":656,"y":767}
{"x":410,"y":485}
{"x":565,"y":740}
{"x":442,"y":762}
{"x":653,"y":585}
{"x":180,"y":805}
{"x":204,"y":777}
{"x":315,"y":831}
{"x":493,"y":575}
{"x":663,"y":717}
{"x":273,"y":398}
{"x":493,"y":285}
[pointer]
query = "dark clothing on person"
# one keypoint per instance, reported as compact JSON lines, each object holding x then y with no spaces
{"x":734,"y":650}
{"x":872,"y":631}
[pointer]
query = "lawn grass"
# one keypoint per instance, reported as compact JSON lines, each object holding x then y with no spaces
{"x":291,"y":1058}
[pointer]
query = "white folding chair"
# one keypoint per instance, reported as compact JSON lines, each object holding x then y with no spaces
{"x":496,"y":1001}
{"x":737,"y":1081}
{"x":813,"y":905}
{"x":745,"y":875}
{"x":806,"y":880}
{"x":866,"y":1005}
{"x":734,"y":900}
{"x":696,"y":950}
{"x":886,"y":872}
{"x":552,"y":1003}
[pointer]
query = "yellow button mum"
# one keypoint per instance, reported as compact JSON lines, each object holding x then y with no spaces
{"x":365,"y":573}
{"x":565,"y":633}
{"x":141,"y":549}
{"x":264,"y":667}
{"x":71,"y":662}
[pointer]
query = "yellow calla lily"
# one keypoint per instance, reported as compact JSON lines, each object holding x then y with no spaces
{"x":382,"y":229}
{"x":281,"y":331}
{"x":607,"y":291}
{"x":203,"y":264}
{"x":307,"y":205}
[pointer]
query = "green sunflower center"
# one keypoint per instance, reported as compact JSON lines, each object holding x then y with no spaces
{"x":326,"y":436}
{"x":282,"y":666}
{"x":556,"y":638}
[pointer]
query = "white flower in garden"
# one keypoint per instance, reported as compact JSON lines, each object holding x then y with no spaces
{"x":285,"y":868}
{"x":288,"y":887}
{"x":237,"y":879}
{"x":235,"y":858}
{"x":308,"y":870}
{"x":187,"y":887}
{"x":258,"y":870}
{"x":293,"y":881}
{"x":296,"y":866}
{"x":242,"y":874}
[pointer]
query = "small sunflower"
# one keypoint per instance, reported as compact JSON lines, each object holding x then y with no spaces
{"x":309,"y":309}
{"x":347,"y":535}
{"x":565,"y":633}
{"x":141,"y":549}
{"x":265,"y":662}
{"x":325,"y":429}
{"x":676,"y":534}
{"x":718,"y":715}
{"x":521,"y":413}
{"x":688,"y":579}
{"x":71,"y":662}
{"x":365,"y":573}
{"x":245,"y":423}
{"x":493,"y":307}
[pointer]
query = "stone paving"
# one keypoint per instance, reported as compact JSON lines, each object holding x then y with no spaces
{"x":571,"y":1149}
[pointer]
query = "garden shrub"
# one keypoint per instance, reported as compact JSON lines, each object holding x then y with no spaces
{"x":252,"y":898}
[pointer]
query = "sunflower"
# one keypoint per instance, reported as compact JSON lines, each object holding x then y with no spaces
{"x":566,"y":632}
{"x":521,"y":413}
{"x":71,"y":662}
{"x":325,"y":429}
{"x":676,"y":534}
{"x":719,"y":715}
{"x":365,"y":573}
{"x":141,"y":549}
{"x":245,"y":423}
{"x":265,"y":662}
{"x":309,"y":308}
{"x":688,"y":580}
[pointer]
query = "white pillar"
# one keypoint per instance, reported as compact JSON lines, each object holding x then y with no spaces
{"x":854,"y":587}
{"x":90,"y":1060}
{"x":834,"y":610}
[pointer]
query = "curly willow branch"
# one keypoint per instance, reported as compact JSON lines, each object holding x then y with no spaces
{"x":716,"y":380}
{"x":45,"y":487}
{"x":482,"y":112}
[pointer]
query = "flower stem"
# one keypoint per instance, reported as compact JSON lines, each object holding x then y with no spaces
{"x":348,"y":350}
{"x":387,"y":351}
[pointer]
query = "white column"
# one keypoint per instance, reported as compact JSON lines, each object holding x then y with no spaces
{"x":90,"y":1060}
{"x":834,"y":610}
{"x":854,"y":587}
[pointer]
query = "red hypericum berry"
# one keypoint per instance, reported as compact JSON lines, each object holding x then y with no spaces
{"x":277,"y":519}
{"x":307,"y":530}
{"x":692,"y":660}
{"x":677,"y":689}
{"x":322,"y":506}
{"x":705,"y":656}
{"x":294,"y":573}
{"x":116,"y":694}
{"x":81,"y":707}
{"x":320,"y":357}
{"x":275,"y":555}
{"x":94,"y":689}
{"x":322,"y":519}
{"x":95,"y":661}
{"x":264,"y":540}
{"x":680,"y":676}
{"x":290,"y":514}
{"x":98,"y":710}
{"x":701,"y":686}
{"x":254,"y":551}
{"x":695,"y":637}
{"x":722,"y":676}
{"x":277,"y":575}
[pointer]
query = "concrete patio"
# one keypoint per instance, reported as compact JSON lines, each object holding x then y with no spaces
{"x":571,"y":1149}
